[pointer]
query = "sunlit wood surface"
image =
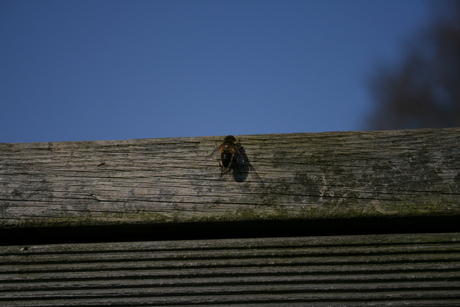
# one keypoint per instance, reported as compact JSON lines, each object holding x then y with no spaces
{"x":284,"y":176}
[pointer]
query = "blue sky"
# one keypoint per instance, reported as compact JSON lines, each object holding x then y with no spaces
{"x":113,"y":70}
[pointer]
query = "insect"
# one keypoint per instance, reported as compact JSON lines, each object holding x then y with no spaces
{"x":229,"y":153}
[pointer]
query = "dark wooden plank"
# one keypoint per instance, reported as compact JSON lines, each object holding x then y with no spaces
{"x":342,"y":175}
{"x":383,"y":270}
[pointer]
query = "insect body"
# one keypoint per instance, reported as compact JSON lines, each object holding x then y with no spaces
{"x":229,"y":152}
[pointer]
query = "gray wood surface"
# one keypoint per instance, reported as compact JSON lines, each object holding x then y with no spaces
{"x":402,"y":173}
{"x":371,"y":270}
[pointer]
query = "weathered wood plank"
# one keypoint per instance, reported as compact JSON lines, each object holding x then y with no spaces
{"x":391,"y":270}
{"x":402,"y":173}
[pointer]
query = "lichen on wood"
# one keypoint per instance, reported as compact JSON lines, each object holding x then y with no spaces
{"x":329,"y":175}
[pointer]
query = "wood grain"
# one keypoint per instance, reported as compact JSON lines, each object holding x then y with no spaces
{"x":372,"y":270}
{"x":330,"y":175}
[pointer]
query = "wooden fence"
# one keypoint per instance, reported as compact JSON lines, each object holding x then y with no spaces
{"x":339,"y":218}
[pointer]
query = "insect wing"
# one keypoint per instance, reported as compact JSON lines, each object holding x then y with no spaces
{"x":215,"y":152}
{"x":238,"y":156}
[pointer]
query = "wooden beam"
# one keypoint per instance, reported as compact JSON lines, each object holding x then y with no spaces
{"x":377,"y":270}
{"x":334,"y":175}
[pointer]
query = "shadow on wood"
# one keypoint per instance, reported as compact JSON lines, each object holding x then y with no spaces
{"x":288,"y":177}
